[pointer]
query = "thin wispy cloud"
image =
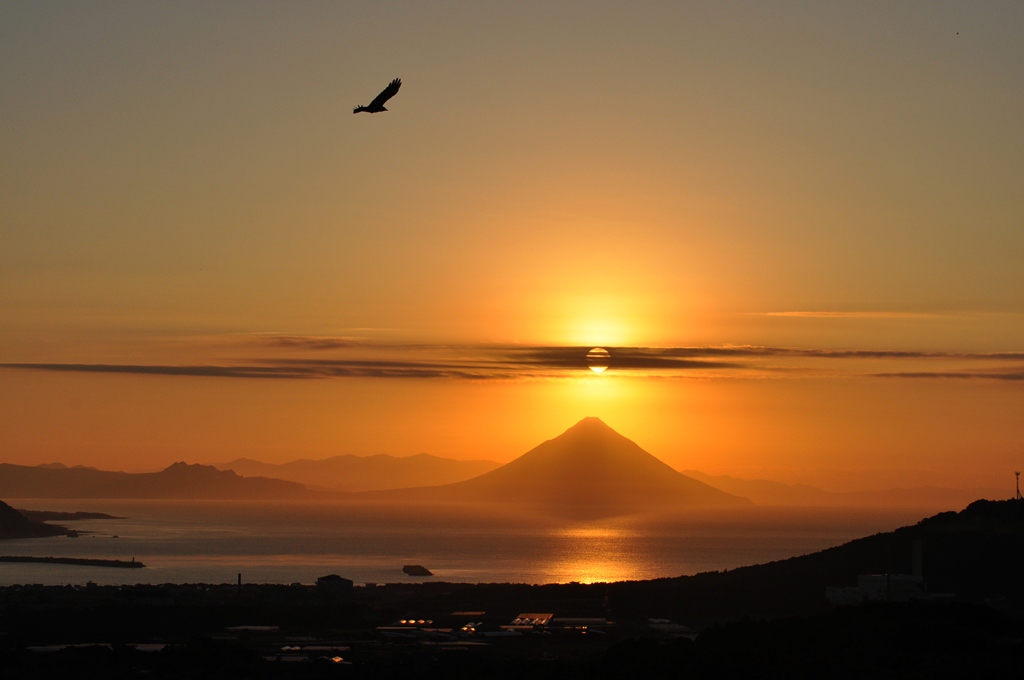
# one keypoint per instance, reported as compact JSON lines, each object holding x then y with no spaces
{"x":280,"y":370}
{"x":313,"y":342}
{"x":202,"y":371}
{"x":854,"y":315}
{"x":880,"y":314}
{"x":1010,"y":375}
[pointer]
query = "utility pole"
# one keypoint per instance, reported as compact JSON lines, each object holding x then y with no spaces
{"x":1018,"y":484}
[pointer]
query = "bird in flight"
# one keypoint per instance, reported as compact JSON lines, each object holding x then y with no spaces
{"x":377,"y":104}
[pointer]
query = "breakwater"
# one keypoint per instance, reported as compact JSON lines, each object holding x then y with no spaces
{"x":76,"y":561}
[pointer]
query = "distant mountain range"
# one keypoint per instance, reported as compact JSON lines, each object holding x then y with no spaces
{"x":178,"y":481}
{"x":765,"y":492}
{"x":365,"y":473}
{"x":590,"y":470}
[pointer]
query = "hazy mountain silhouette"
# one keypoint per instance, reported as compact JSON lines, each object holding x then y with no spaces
{"x":766,"y":492}
{"x":590,"y":470}
{"x":13,"y":524}
{"x":366,"y":473}
{"x":177,"y":481}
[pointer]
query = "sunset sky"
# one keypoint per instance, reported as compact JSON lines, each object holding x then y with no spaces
{"x":797,"y":227}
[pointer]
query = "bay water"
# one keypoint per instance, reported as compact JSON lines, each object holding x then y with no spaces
{"x":296,"y":542}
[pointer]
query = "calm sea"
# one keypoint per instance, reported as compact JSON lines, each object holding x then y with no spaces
{"x":288,"y":542}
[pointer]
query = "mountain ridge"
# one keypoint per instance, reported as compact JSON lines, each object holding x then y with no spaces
{"x":352,"y":473}
{"x":768,"y":492}
{"x":177,"y":481}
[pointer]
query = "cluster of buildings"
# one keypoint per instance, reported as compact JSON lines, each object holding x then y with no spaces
{"x":888,"y":587}
{"x":529,"y":622}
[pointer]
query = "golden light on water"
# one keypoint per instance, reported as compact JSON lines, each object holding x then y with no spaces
{"x":590,"y":533}
{"x":594,"y":555}
{"x":599,"y":570}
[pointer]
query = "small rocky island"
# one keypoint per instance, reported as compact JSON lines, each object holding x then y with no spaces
{"x":416,"y":570}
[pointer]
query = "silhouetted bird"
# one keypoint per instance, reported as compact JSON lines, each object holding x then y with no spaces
{"x":378,"y":102}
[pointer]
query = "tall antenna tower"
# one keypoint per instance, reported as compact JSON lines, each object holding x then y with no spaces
{"x":1018,"y":484}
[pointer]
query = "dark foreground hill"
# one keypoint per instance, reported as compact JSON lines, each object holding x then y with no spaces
{"x":590,"y":470}
{"x":976,"y":554}
{"x":13,"y":524}
{"x":178,"y":481}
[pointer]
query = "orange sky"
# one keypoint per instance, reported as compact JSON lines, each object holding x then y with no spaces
{"x":178,"y":184}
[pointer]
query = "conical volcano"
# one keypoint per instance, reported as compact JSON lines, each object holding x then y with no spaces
{"x":589,"y":470}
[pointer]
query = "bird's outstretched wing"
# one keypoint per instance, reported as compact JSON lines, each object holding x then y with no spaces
{"x":390,"y":91}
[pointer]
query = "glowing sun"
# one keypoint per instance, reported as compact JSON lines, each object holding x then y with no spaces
{"x":597,"y":360}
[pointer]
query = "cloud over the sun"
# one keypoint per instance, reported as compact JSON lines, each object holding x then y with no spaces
{"x":296,"y":357}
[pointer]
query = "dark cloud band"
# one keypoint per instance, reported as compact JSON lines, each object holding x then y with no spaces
{"x":490,"y":362}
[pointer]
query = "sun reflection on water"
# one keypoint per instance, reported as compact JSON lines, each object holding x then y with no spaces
{"x":590,"y":532}
{"x":594,"y":554}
